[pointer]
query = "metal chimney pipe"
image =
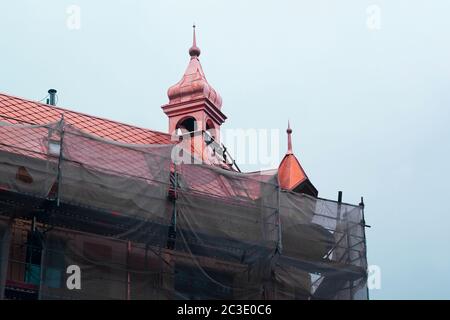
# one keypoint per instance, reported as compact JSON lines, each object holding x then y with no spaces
{"x":52,"y":95}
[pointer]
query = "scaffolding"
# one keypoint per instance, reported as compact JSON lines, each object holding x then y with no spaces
{"x":139,"y":226}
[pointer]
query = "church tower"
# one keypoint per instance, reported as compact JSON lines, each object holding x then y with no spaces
{"x":194,"y":105}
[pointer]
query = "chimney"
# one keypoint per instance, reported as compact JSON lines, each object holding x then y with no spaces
{"x":52,"y":97}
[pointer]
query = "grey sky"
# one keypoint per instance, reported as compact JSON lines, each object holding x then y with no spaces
{"x":370,"y":110}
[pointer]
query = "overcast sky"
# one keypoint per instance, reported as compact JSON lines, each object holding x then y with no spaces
{"x":366,"y":85}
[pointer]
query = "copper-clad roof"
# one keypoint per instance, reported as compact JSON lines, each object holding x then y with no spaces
{"x":291,"y":175}
{"x":290,"y":172}
{"x":193,"y":85}
{"x":18,"y":110}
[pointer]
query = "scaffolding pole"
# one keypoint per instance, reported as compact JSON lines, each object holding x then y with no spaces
{"x":60,"y":159}
{"x":364,"y":226}
{"x":4,"y":258}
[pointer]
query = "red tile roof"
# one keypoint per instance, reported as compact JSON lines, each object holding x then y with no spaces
{"x":18,"y":110}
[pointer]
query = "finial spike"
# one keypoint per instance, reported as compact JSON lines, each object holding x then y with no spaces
{"x":194,"y":42}
{"x":289,"y":132}
{"x":194,"y":51}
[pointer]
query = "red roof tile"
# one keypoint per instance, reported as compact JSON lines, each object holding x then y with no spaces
{"x":18,"y":110}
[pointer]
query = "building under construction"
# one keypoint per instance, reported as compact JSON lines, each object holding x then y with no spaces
{"x":114,"y":202}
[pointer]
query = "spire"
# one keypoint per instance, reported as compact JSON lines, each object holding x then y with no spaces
{"x":194,"y":51}
{"x":291,"y":175}
{"x":289,"y":132}
{"x":193,"y":85}
{"x":193,"y":96}
{"x":194,"y":40}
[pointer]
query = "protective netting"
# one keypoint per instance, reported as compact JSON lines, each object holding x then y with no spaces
{"x":25,"y":164}
{"x":86,"y":218}
{"x":325,"y":241}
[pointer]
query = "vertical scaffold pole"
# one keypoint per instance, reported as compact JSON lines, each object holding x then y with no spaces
{"x":347,"y":236}
{"x":5,"y":246}
{"x":43,"y":271}
{"x":363,"y":224}
{"x":128,"y":270}
{"x":60,"y":159}
{"x":269,"y":288}
{"x":175,"y":190}
{"x":173,"y":195}
{"x":279,"y":241}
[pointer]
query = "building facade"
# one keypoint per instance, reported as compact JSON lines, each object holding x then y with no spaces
{"x":96,"y":209}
